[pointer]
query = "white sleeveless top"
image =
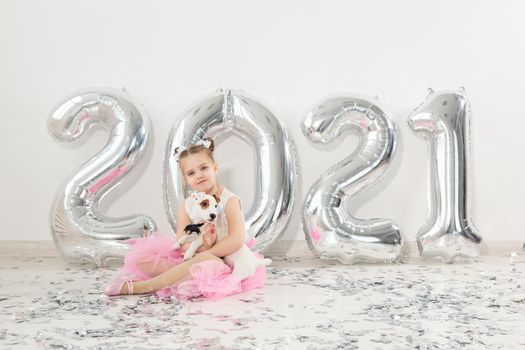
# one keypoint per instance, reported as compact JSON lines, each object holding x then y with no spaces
{"x":222,"y":223}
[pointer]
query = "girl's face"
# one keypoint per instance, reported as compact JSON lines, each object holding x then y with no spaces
{"x":199,"y":172}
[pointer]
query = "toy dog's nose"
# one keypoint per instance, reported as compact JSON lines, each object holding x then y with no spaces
{"x":212,"y":216}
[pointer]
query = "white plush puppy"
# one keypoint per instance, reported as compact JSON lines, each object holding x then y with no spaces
{"x":243,"y":262}
{"x":201,"y":209}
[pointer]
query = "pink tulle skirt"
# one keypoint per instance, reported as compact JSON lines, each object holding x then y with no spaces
{"x":209,"y":279}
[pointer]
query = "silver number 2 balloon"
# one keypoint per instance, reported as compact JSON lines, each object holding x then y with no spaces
{"x":443,"y":119}
{"x":80,"y":231}
{"x":331,"y":231}
{"x":229,"y":112}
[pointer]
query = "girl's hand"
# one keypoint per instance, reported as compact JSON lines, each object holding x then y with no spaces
{"x":209,"y":236}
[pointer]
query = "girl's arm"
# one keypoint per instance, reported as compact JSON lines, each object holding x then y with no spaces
{"x":183,"y":220}
{"x":235,"y":239}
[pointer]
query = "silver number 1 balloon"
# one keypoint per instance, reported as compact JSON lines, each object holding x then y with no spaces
{"x":226,"y":113}
{"x":331,"y":231}
{"x":443,"y":119}
{"x":79,"y":229}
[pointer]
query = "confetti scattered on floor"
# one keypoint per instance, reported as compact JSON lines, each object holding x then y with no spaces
{"x":307,"y":304}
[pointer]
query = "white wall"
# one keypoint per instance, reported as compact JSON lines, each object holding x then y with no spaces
{"x":288,"y":54}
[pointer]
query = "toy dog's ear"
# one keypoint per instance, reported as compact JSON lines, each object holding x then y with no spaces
{"x":216,"y":198}
{"x":199,"y":196}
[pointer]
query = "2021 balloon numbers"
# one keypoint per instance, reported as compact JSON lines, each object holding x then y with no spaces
{"x":81,"y":232}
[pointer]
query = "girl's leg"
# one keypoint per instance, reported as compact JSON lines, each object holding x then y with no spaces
{"x":155,"y":268}
{"x":167,"y":278}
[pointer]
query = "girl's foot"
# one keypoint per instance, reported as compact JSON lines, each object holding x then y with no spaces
{"x":119,"y":287}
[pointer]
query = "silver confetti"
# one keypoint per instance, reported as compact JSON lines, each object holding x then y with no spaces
{"x":307,"y":304}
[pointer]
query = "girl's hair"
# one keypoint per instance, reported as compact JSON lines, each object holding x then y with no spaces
{"x":192,"y":149}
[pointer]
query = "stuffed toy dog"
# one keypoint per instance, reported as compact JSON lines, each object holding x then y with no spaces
{"x":244,"y":262}
{"x":201,"y":209}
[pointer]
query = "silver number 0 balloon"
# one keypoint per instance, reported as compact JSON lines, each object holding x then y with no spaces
{"x":80,"y":231}
{"x":444,"y":120}
{"x":331,"y":231}
{"x":229,"y":112}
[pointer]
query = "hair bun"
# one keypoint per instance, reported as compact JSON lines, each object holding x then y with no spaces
{"x":212,"y":144}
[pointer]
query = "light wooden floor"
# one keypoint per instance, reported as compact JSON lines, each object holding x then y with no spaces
{"x":307,"y":304}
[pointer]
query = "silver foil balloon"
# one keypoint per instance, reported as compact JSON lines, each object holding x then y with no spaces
{"x":80,"y":231}
{"x":331,"y":230}
{"x":443,"y":119}
{"x":227,"y":113}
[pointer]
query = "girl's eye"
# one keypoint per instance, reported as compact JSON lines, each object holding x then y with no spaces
{"x":191,"y":173}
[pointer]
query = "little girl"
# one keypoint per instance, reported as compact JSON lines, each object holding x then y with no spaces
{"x":153,"y":265}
